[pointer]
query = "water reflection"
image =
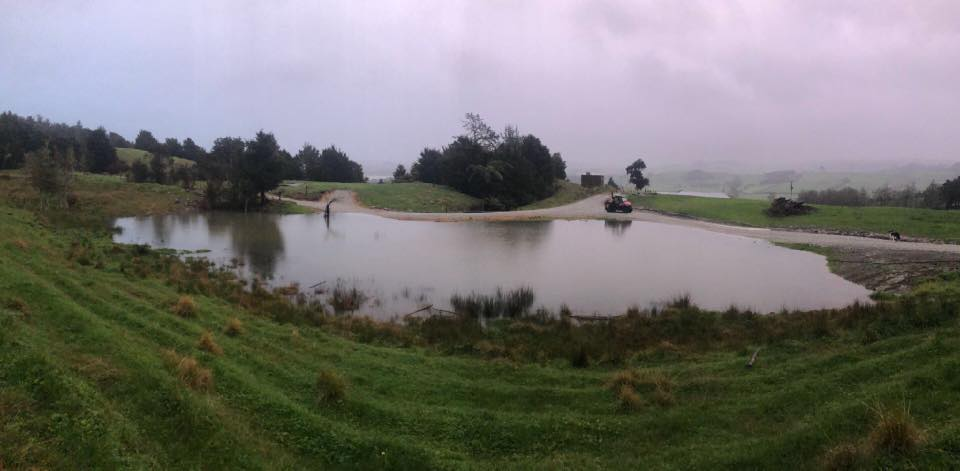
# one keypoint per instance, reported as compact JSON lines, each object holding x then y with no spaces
{"x":617,"y":226}
{"x":402,"y":265}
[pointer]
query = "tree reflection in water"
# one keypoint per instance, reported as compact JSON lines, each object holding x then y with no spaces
{"x":254,"y":237}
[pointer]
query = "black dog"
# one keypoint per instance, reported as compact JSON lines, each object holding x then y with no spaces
{"x":894,"y":235}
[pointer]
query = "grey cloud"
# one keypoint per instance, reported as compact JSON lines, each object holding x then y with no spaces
{"x":773,"y":83}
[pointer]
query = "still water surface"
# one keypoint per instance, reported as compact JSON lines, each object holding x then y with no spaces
{"x":592,"y":266}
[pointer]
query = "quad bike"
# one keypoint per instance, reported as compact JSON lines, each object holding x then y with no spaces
{"x":618,"y":203}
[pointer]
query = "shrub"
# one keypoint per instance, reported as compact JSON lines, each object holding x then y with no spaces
{"x":656,"y":383}
{"x":208,"y":344}
{"x":580,"y":359}
{"x":628,"y":398}
{"x":895,"y":431}
{"x":185,"y":307}
{"x":844,"y":456}
{"x":233,"y":328}
{"x":17,"y":304}
{"x":189,"y":371}
{"x":331,"y":387}
{"x":343,"y":298}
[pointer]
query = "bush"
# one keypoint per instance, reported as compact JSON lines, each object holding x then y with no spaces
{"x":189,"y":371}
{"x":331,"y":387}
{"x":844,"y":456}
{"x":233,"y":328}
{"x":185,"y":307}
{"x":208,"y":344}
{"x":895,"y":431}
{"x":655,"y":382}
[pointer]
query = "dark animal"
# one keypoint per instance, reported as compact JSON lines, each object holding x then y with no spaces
{"x":894,"y":235}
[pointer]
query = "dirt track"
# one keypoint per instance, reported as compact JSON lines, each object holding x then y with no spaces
{"x":592,"y":208}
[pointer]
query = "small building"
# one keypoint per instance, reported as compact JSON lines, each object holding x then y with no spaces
{"x":591,"y":181}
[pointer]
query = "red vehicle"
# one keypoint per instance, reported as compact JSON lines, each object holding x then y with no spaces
{"x":618,"y":203}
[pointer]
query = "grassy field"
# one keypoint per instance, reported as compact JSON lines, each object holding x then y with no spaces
{"x":131,"y":155}
{"x":422,"y":197}
{"x":123,"y":357}
{"x":910,"y":222}
{"x":567,"y":193}
{"x":97,"y":371}
{"x":412,"y":197}
{"x":100,"y":198}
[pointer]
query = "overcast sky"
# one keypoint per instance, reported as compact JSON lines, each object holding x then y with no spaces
{"x":602,"y":82}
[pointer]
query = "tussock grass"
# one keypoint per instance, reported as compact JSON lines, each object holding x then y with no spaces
{"x":185,"y":307}
{"x":189,"y":371}
{"x":511,"y":304}
{"x":345,"y":298}
{"x":627,"y":384}
{"x":207,"y":343}
{"x":21,"y":244}
{"x":894,"y":431}
{"x":843,"y":457}
{"x":17,"y":304}
{"x":331,"y":387}
{"x":234,"y":327}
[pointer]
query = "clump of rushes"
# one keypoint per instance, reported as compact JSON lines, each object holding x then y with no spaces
{"x":843,"y":457}
{"x":331,"y":387}
{"x":185,"y":307}
{"x":234,"y":327}
{"x":208,"y":344}
{"x":627,"y":384}
{"x":189,"y":371}
{"x":895,"y":431}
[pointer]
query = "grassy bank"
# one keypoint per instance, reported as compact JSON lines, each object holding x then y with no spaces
{"x":105,"y":365}
{"x":99,"y":199}
{"x":123,"y":357}
{"x":424,"y":197}
{"x":910,"y":222}
{"x":567,"y":193}
{"x":412,"y":197}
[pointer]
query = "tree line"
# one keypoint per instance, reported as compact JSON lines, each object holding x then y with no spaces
{"x":505,"y":170}
{"x":934,"y":196}
{"x":238,"y":172}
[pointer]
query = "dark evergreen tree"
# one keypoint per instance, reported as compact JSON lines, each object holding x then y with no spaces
{"x":101,"y":156}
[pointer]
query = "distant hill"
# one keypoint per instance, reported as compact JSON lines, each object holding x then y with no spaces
{"x":761,"y":185}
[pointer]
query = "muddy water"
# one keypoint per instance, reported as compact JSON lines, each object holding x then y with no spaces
{"x":591,"y":266}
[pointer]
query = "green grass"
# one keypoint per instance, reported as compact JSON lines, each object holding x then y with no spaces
{"x":131,"y":155}
{"x":567,"y":193}
{"x":101,"y":198}
{"x":84,"y":383}
{"x":910,"y":222}
{"x":88,"y":380}
{"x":424,"y":197}
{"x":411,"y":197}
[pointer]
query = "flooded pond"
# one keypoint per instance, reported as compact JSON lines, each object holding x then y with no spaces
{"x":591,"y":266}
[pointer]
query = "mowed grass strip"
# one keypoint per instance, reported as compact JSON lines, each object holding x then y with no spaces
{"x":416,"y":197}
{"x":909,"y":222}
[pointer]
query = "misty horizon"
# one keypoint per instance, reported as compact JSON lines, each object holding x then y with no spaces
{"x":680,"y":84}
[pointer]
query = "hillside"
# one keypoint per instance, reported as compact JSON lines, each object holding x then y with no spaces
{"x":124,"y":357}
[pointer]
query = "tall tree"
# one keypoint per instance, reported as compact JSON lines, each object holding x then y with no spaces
{"x":479,"y":132}
{"x":635,"y":171}
{"x":191,"y":151}
{"x":172,"y":147}
{"x":117,"y":140}
{"x":309,"y":156}
{"x":101,"y":156}
{"x":427,"y":168}
{"x":146,"y":141}
{"x":950,"y":193}
{"x":260,"y":167}
{"x":400,"y":174}
{"x":219,"y":170}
